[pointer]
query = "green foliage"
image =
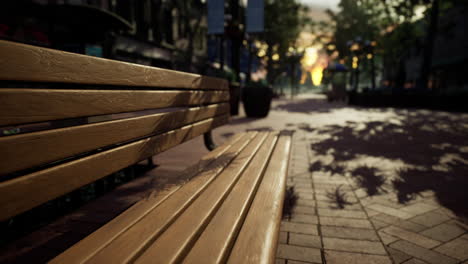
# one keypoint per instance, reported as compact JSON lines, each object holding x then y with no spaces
{"x":284,"y":20}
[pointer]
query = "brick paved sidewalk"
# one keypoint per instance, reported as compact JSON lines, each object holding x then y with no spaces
{"x":334,"y":221}
{"x":377,"y":185}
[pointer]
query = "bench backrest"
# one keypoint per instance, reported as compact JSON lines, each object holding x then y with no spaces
{"x":67,"y":120}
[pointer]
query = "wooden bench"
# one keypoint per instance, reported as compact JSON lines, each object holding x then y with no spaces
{"x":68,"y":120}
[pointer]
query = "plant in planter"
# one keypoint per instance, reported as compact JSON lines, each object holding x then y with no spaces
{"x":256,"y":97}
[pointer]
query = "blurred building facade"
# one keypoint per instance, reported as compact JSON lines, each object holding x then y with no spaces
{"x":149,"y":32}
{"x":449,"y":57}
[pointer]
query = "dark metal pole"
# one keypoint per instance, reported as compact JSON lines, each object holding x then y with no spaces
{"x":293,"y":76}
{"x":249,"y":62}
{"x":221,"y":52}
{"x":373,"y":71}
{"x":429,"y":47}
{"x":235,"y":38}
{"x":357,"y":76}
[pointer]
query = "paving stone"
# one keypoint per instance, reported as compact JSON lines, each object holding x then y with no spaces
{"x":342,"y":213}
{"x":386,"y":238}
{"x":444,"y":232}
{"x":447,"y":212}
{"x":371,"y":212}
{"x":331,"y":187}
{"x":299,"y":262}
{"x":360,"y":193}
{"x":335,"y":257}
{"x":299,"y":228}
{"x":430,"y":219}
{"x":299,"y":253}
{"x":398,"y":256}
{"x":379,"y":224}
{"x":351,"y":245}
{"x":405,"y":224}
{"x":283,"y":237}
{"x":390,"y":211}
{"x":305,"y":202}
{"x":301,"y":186}
{"x":422,"y":253}
{"x":304,"y":218}
{"x":431,"y":201}
{"x":349,"y":232}
{"x":280,"y":261}
{"x":305,"y":196}
{"x":457,"y":248}
{"x":304,"y":187}
{"x":418,"y":208}
{"x":301,"y":209}
{"x":345,"y":222}
{"x":322,"y":197}
{"x":385,"y":201}
{"x":330,"y":180}
{"x":414,"y":261}
{"x":305,"y":240}
{"x":411,"y":236}
{"x":334,"y":205}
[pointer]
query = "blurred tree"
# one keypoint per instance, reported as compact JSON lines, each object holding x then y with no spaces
{"x":284,"y":20}
{"x":190,"y":14}
{"x":392,"y":23}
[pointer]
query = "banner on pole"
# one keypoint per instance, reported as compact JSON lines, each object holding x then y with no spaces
{"x":215,"y":16}
{"x":255,"y":16}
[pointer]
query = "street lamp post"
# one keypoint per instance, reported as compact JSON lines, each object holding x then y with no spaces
{"x":355,"y":50}
{"x":294,"y":57}
{"x":357,"y":47}
{"x":369,"y":49}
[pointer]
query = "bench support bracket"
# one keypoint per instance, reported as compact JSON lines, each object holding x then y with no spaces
{"x":208,"y":139}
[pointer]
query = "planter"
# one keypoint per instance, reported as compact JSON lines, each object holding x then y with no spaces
{"x":257,"y":100}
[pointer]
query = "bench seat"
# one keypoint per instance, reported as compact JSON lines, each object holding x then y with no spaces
{"x":230,"y":211}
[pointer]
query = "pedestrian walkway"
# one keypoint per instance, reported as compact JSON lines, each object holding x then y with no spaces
{"x":372,"y":185}
{"x":334,"y":221}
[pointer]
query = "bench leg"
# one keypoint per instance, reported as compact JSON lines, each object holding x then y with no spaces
{"x":150,"y":162}
{"x":208,"y":139}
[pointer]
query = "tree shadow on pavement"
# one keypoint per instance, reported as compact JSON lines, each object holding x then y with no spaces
{"x":426,"y":150}
{"x":369,"y":179}
{"x":308,"y":105}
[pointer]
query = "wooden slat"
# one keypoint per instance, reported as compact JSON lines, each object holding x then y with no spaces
{"x":214,"y":244}
{"x":123,"y":248}
{"x":53,"y":182}
{"x":19,"y":106}
{"x":103,"y":236}
{"x":171,"y":246}
{"x":29,"y":63}
{"x":258,"y":236}
{"x":27,"y":150}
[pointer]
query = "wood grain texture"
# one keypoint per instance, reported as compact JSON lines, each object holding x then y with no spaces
{"x":22,"y":62}
{"x":53,"y":182}
{"x":99,"y":239}
{"x":65,"y":142}
{"x":136,"y":238}
{"x":258,"y":236}
{"x":215,"y":243}
{"x":171,"y":246}
{"x":20,"y":106}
